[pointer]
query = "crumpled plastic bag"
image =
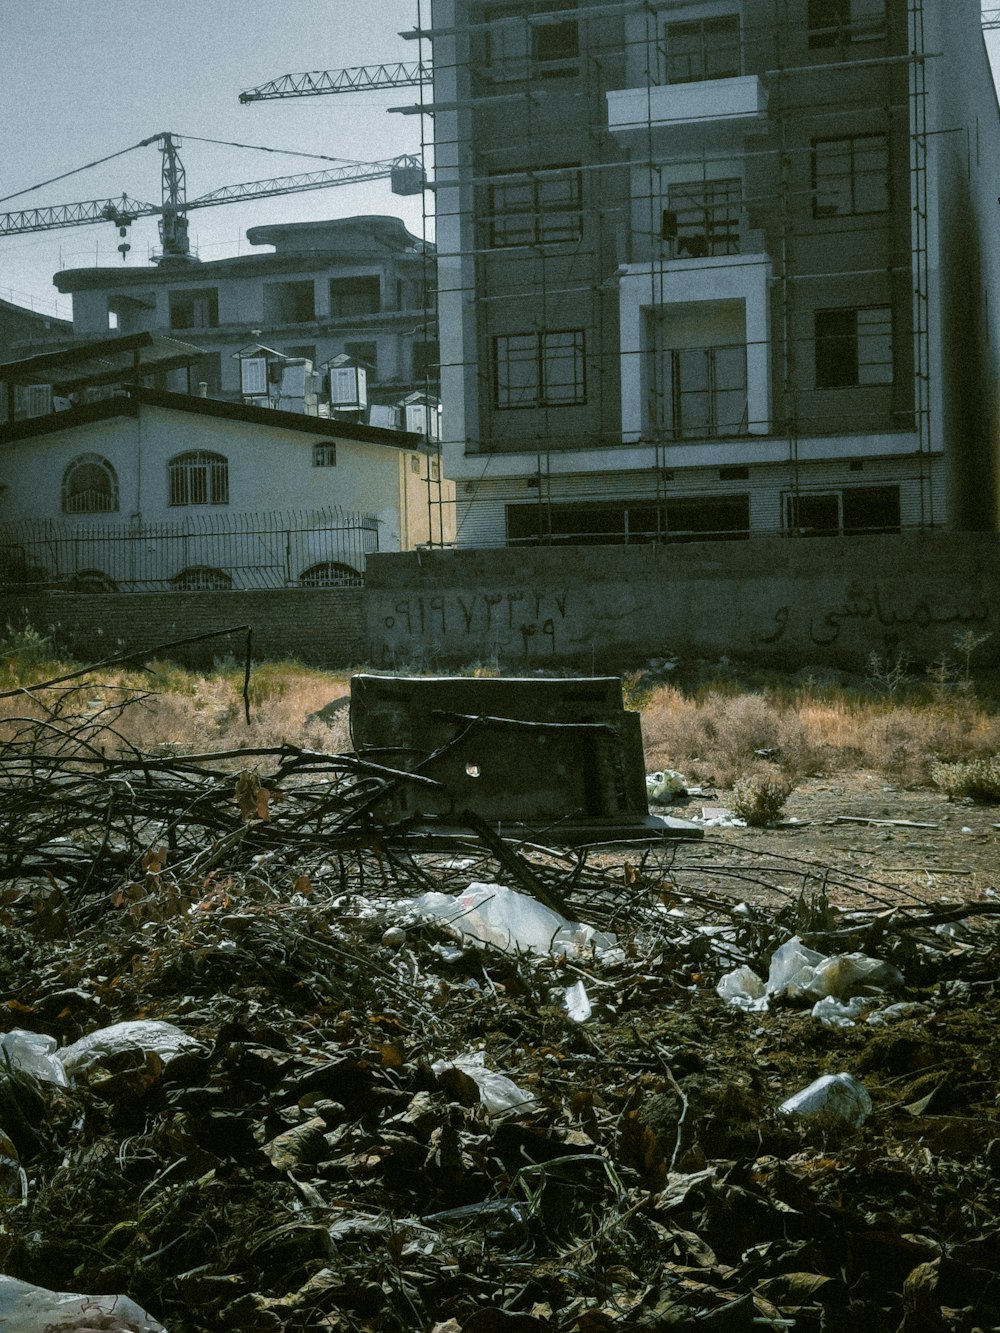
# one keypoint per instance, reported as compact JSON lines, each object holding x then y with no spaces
{"x":148,"y":1035}
{"x":838,"y":1013}
{"x":25,"y":1308}
{"x":803,"y":974}
{"x":661,"y":788}
{"x":497,"y":1092}
{"x":833,"y":1100}
{"x":494,"y":914}
{"x":33,"y":1053}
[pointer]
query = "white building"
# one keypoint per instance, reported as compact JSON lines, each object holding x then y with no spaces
{"x":130,"y":486}
{"x":717,"y":268}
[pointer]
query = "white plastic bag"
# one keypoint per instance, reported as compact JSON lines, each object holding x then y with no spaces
{"x":661,"y":788}
{"x":576,"y":1002}
{"x":802,"y":973}
{"x":145,"y":1035}
{"x":833,"y":1101}
{"x":836,"y":1013}
{"x":497,"y":1092}
{"x":743,"y":989}
{"x":25,"y":1308}
{"x":494,"y":914}
{"x":33,"y":1053}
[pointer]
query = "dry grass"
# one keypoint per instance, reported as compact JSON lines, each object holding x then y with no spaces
{"x":719,"y":731}
{"x":715,"y":734}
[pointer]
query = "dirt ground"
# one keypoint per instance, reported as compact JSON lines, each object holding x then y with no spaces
{"x":913,"y":843}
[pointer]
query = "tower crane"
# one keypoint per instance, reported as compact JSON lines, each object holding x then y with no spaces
{"x":356,"y":79}
{"x":405,"y":173}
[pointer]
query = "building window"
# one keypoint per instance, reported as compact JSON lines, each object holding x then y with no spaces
{"x":555,"y":48}
{"x":703,"y":49}
{"x":537,"y":207}
{"x":426,"y":361}
{"x":201,"y":578}
{"x":207,"y":370}
{"x":289,"y":302}
{"x":355,"y":296}
{"x":708,"y":392}
{"x":89,"y":486}
{"x":835,"y":22}
{"x":198,"y":478}
{"x":307,"y":351}
{"x":325,"y":454}
{"x":330,"y":574}
{"x":850,"y":176}
{"x":853,"y":347}
{"x":195,"y":309}
{"x":540,"y":369}
{"x":626,"y":523}
{"x":703,"y":218}
{"x":856,"y":511}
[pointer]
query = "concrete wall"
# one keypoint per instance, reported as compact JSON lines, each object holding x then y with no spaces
{"x":321,"y":626}
{"x":790,"y":603}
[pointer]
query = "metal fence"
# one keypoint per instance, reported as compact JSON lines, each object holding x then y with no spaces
{"x":305,"y":548}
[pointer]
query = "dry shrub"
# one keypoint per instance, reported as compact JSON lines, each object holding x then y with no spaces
{"x":719,"y":735}
{"x":976,"y":779}
{"x":759,"y":796}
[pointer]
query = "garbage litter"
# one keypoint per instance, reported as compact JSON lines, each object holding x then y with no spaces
{"x":497,"y":1092}
{"x":25,"y":1308}
{"x":833,"y":1100}
{"x":145,"y":1035}
{"x":33,"y":1053}
{"x":800,"y":973}
{"x":661,"y":788}
{"x":494,"y":914}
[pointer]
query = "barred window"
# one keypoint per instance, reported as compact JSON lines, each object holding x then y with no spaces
{"x":325,"y":454}
{"x":540,"y":369}
{"x":90,"y":486}
{"x":330,"y":574}
{"x":850,"y":176}
{"x":703,"y":217}
{"x":201,"y":578}
{"x":198,"y":478}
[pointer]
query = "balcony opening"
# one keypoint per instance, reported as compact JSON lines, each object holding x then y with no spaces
{"x":289,"y":302}
{"x":195,"y":309}
{"x":703,"y":218}
{"x":355,"y":296}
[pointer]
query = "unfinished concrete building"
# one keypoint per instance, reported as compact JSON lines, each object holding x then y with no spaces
{"x":714,"y":268}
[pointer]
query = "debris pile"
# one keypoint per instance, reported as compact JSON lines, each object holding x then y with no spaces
{"x":298,"y":1093}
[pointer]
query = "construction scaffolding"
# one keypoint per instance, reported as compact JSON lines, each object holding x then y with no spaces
{"x":684,"y":276}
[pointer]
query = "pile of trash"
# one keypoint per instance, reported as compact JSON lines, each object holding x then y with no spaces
{"x":265,"y":1066}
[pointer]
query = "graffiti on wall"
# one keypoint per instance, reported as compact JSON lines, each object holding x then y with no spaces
{"x":888,"y":611}
{"x":527,"y":621}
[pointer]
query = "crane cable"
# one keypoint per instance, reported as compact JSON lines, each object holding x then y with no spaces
{"x":227,"y":143}
{"x":76,"y":170}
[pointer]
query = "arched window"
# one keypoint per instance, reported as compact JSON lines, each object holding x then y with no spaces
{"x":90,"y":486}
{"x":330,"y":574}
{"x":201,"y":578}
{"x":198,"y":478}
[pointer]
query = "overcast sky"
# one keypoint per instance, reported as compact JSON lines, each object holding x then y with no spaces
{"x":85,"y":78}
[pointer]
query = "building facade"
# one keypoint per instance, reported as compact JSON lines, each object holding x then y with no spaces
{"x":714,"y":268}
{"x":357,"y":287}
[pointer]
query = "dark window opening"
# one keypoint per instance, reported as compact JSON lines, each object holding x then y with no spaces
{"x":90,"y":486}
{"x":426,"y":361}
{"x":850,"y":176}
{"x":555,"y":48}
{"x":325,"y":454}
{"x":201,"y":578}
{"x":207,"y":370}
{"x":853,"y":347}
{"x":856,"y":511}
{"x":195,"y":309}
{"x":685,"y":519}
{"x":289,"y":302}
{"x":355,"y":296}
{"x":330,"y":574}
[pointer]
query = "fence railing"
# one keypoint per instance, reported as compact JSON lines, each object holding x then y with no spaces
{"x":302,"y":548}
